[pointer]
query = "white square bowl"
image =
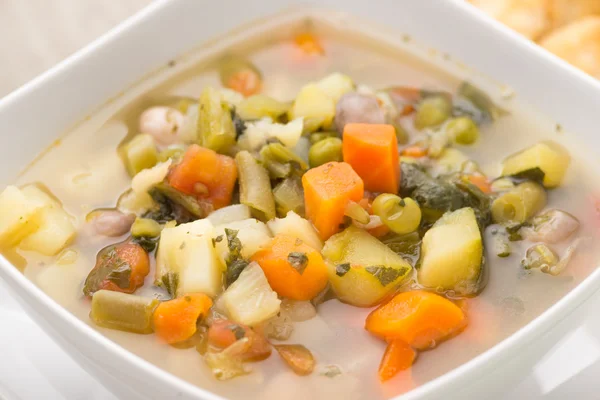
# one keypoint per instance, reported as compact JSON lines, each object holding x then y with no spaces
{"x":32,"y":117}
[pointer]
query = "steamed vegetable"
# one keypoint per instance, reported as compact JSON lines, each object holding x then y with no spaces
{"x":372,"y":151}
{"x":315,"y":106}
{"x":232,"y":213}
{"x":451,"y":253}
{"x":289,"y":196}
{"x":250,"y":233}
{"x":336,"y":85}
{"x":20,"y":216}
{"x":420,"y":319}
{"x":402,"y":216}
{"x":145,"y":227}
{"x":297,"y":357}
{"x":250,"y":300}
{"x":175,"y":320}
{"x":281,"y":162}
{"x":122,"y":311}
{"x":208,"y":176}
{"x":548,"y":156}
{"x":108,"y":222}
{"x":139,"y":153}
{"x":224,"y":333}
{"x":433,"y":111}
{"x":359,"y":108}
{"x":187,"y":262}
{"x":519,"y":204}
{"x":260,"y":132}
{"x":215,"y":126}
{"x":293,"y":269}
{"x":462,"y":130}
{"x":362,"y":270}
{"x":327,"y":191}
{"x":294,"y":225}
{"x":324,"y":151}
{"x":398,"y":356}
{"x":261,"y":106}
{"x":56,"y":230}
{"x":240,"y":75}
{"x":255,"y":187}
{"x":121,"y":268}
{"x":163,"y":124}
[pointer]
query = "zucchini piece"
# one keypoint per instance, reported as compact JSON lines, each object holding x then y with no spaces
{"x":139,"y":153}
{"x":362,"y":270}
{"x":122,"y":311}
{"x":250,"y":300}
{"x":549,"y":156}
{"x":452,"y":253}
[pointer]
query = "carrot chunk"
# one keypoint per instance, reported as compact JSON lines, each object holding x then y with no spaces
{"x":481,"y":182}
{"x":398,"y":356}
{"x":327,"y":190}
{"x":205,"y":174}
{"x":372,"y":151}
{"x":309,"y":44}
{"x":293,"y":269}
{"x":175,"y":320}
{"x":414,"y":151}
{"x":421,"y":319}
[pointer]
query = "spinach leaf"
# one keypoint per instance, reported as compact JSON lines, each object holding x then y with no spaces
{"x":298,"y":260}
{"x":342,"y":269}
{"x":170,"y":281}
{"x":385,"y":275}
{"x":532,"y":174}
{"x":235,"y":263}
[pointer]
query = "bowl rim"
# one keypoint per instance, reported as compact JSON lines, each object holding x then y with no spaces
{"x":474,"y":368}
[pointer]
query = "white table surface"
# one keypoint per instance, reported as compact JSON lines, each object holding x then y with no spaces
{"x":36,"y":34}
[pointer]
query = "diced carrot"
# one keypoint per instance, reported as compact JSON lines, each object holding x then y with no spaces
{"x":414,"y":151}
{"x":372,"y":151}
{"x":223,"y":333}
{"x":175,"y":320}
{"x":293,"y":269}
{"x":398,"y":356}
{"x":481,"y":182}
{"x":205,"y":174}
{"x":327,"y":191}
{"x":419,"y":318}
{"x":246,"y":82}
{"x":309,"y":44}
{"x":109,"y":272}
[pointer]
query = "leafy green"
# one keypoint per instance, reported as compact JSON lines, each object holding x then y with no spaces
{"x":147,"y":243}
{"x":298,"y":260}
{"x":189,"y":203}
{"x":532,"y":174}
{"x":281,"y":162}
{"x":234,"y":261}
{"x":170,"y":281}
{"x":342,"y":269}
{"x":109,"y":267}
{"x":406,"y":246}
{"x":166,"y":210}
{"x":385,"y":275}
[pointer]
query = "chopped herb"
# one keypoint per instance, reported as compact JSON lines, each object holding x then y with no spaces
{"x":120,"y":275}
{"x":148,"y":244}
{"x":182,"y":246}
{"x":385,"y":275}
{"x":170,"y":281}
{"x":237,"y":330}
{"x":234,"y":269}
{"x":342,"y":269}
{"x":402,"y":203}
{"x":235,"y":263}
{"x":219,"y":238}
{"x":298,"y":260}
{"x":109,"y":266}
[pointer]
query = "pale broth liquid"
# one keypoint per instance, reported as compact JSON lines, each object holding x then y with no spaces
{"x":84,"y":171}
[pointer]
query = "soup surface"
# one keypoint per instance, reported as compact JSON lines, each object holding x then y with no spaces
{"x":477,"y":244}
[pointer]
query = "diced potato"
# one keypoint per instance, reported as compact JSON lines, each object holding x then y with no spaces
{"x":336,"y":85}
{"x":137,"y":200}
{"x":548,"y":156}
{"x":257,"y":133}
{"x":362,"y":270}
{"x":187,"y":253}
{"x":252,"y":233}
{"x":314,"y":105}
{"x":233,"y":213}
{"x":56,"y":230}
{"x":19,"y":216}
{"x":250,"y":300}
{"x":295,"y":225}
{"x":452,"y":252}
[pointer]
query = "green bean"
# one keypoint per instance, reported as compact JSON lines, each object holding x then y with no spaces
{"x":215,"y":126}
{"x":280,"y":161}
{"x":145,"y":227}
{"x":261,"y":106}
{"x":122,"y":311}
{"x":433,"y":111}
{"x":318,"y":136}
{"x":519,"y":204}
{"x":139,"y":153}
{"x":400,"y":215}
{"x":324,"y":151}
{"x":462,"y":130}
{"x":255,"y":187}
{"x":289,"y":197}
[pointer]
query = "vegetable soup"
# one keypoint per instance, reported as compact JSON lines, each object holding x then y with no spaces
{"x":319,"y":213}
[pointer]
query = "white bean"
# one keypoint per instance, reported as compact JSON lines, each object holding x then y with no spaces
{"x":163,"y":123}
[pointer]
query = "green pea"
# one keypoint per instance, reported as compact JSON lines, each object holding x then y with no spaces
{"x":462,"y":130}
{"x":318,"y":136}
{"x":433,"y":111}
{"x":402,"y":216}
{"x":324,"y":151}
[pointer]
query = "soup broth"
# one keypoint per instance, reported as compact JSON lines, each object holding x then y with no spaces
{"x":85,"y":172}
